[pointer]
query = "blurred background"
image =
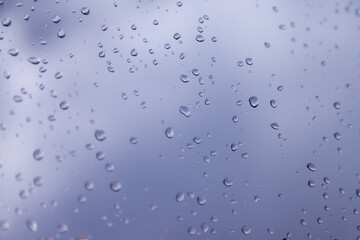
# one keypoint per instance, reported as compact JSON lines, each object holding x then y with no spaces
{"x":155,"y":119}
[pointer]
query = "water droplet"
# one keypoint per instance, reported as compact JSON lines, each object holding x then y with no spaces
{"x":134,"y":140}
{"x":249,"y":61}
{"x":184,"y":78}
{"x":32,"y":225}
{"x":358,"y":192}
{"x":275,"y":126}
{"x":100,"y":135}
{"x":38,"y":154}
{"x":337,"y":105}
{"x":64,"y":105}
{"x":61,"y":33}
{"x":180,"y":196}
{"x":196,"y":72}
{"x":115,"y":186}
{"x":311,"y":183}
{"x":201,"y":200}
{"x":109,"y":167}
{"x":13,"y":52}
{"x":100,"y":155}
{"x":200,"y":38}
{"x":34,"y":60}
{"x":337,"y":136}
{"x":89,"y":186}
{"x":302,"y":222}
{"x":273,"y":103}
{"x":6,"y":22}
{"x":267,"y":44}
{"x":320,"y":220}
{"x":56,"y":19}
{"x":240,"y":63}
{"x":234,"y":147}
{"x":254,"y":102}
{"x":191,"y":231}
{"x":177,"y":36}
{"x":4,"y":225}
{"x":133,"y":52}
{"x":246,"y":229}
{"x":85,"y":10}
{"x":311,"y":167}
{"x":17,"y":98}
{"x":228,"y":182}
{"x":38,"y":182}
{"x":62,"y":228}
{"x":185,"y":111}
{"x":169,"y":132}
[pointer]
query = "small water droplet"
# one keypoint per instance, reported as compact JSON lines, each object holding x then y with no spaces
{"x":184,"y":78}
{"x":61,"y":33}
{"x":13,"y":52}
{"x":133,"y":52}
{"x":254,"y":102}
{"x":275,"y":126}
{"x":273,"y":103}
{"x":228,"y":182}
{"x":311,"y":167}
{"x":38,"y":154}
{"x":115,"y":186}
{"x":337,"y":105}
{"x":180,"y":196}
{"x":200,"y":38}
{"x":185,"y":111}
{"x":85,"y":10}
{"x":100,"y":135}
{"x":337,"y":136}
{"x":169,"y":132}
{"x":191,"y":231}
{"x":6,"y":22}
{"x":32,"y":225}
{"x":64,"y":105}
{"x":246,"y":229}
{"x":201,"y":200}
{"x":89,"y":186}
{"x":56,"y":19}
{"x":249,"y":61}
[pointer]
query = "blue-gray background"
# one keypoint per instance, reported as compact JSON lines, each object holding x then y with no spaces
{"x":312,"y":62}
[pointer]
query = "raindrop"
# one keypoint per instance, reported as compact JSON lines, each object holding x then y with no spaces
{"x":180,"y":197}
{"x":228,"y":182}
{"x":311,"y":167}
{"x":34,"y":60}
{"x":191,"y":231}
{"x":201,"y":200}
{"x":38,"y":182}
{"x":100,"y":135}
{"x":38,"y":154}
{"x":115,"y":186}
{"x":249,"y":61}
{"x":200,"y":38}
{"x":62,"y":228}
{"x":13,"y":52}
{"x":64,"y":105}
{"x":6,"y":22}
{"x":337,"y":136}
{"x":337,"y":105}
{"x":89,"y":186}
{"x":32,"y":225}
{"x":273,"y":103}
{"x":311,"y":183}
{"x":85,"y":11}
{"x":169,"y":132}
{"x":275,"y":126}
{"x":61,"y":33}
{"x":185,"y":111}
{"x":254,"y":102}
{"x":177,"y":36}
{"x":56,"y":19}
{"x":196,"y":72}
{"x":184,"y":78}
{"x":133,"y":52}
{"x":267,"y":44}
{"x":17,"y":98}
{"x":246,"y":229}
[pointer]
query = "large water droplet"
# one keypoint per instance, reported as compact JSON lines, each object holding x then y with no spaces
{"x":180,"y":196}
{"x":13,"y":52}
{"x":228,"y":182}
{"x":38,"y":154}
{"x":62,"y":228}
{"x":200,"y":38}
{"x":185,"y":111}
{"x":61,"y":33}
{"x":85,"y":10}
{"x":169,"y":132}
{"x":100,"y":135}
{"x":56,"y":19}
{"x":6,"y":22}
{"x":246,"y":229}
{"x":184,"y":78}
{"x":254,"y":102}
{"x":275,"y":126}
{"x":201,"y":200}
{"x":34,"y":60}
{"x":311,"y":167}
{"x":115,"y":186}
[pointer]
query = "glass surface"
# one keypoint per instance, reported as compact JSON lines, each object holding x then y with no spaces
{"x":156,"y":119}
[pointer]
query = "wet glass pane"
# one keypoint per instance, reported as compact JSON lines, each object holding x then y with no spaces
{"x":156,"y":119}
